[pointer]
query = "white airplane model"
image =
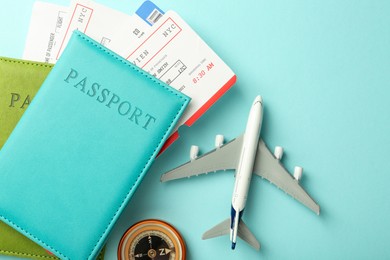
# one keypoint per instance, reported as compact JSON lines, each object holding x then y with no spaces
{"x":246,"y":154}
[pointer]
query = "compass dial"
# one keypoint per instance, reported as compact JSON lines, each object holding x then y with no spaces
{"x":151,"y":239}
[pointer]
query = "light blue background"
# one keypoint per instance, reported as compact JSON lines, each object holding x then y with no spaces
{"x":323,"y":69}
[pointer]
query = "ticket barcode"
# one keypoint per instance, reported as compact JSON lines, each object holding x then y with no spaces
{"x":154,"y":16}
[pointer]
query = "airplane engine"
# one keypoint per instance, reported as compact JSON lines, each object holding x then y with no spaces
{"x":278,"y":152}
{"x":194,"y":151}
{"x":298,"y":173}
{"x":218,"y":141}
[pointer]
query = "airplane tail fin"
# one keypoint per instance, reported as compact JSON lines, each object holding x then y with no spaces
{"x":245,"y":234}
{"x":221,"y":229}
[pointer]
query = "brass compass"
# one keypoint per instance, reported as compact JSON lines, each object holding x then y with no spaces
{"x":151,"y":239}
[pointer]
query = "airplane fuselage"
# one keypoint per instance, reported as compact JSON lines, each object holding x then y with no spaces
{"x":245,"y":166}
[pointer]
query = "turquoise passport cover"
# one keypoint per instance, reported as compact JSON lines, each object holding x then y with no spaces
{"x":82,"y":147}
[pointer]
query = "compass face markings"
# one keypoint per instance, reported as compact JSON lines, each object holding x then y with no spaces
{"x":151,"y":239}
{"x":150,"y":245}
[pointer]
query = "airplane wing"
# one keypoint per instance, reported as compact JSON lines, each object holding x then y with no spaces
{"x":223,"y":158}
{"x":226,"y":158}
{"x":270,"y":168}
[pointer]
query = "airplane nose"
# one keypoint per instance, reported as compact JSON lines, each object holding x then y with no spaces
{"x":258,"y":99}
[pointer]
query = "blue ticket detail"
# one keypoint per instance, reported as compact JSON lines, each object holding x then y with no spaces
{"x":149,"y":12}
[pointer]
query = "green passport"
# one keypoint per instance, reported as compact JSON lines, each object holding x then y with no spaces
{"x":19,"y":82}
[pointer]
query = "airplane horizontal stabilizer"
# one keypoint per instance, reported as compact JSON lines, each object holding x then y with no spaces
{"x":221,"y":229}
{"x":245,"y":234}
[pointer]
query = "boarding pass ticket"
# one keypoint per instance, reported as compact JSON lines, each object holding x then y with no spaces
{"x":166,"y":47}
{"x":47,"y":23}
{"x":52,"y":25}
